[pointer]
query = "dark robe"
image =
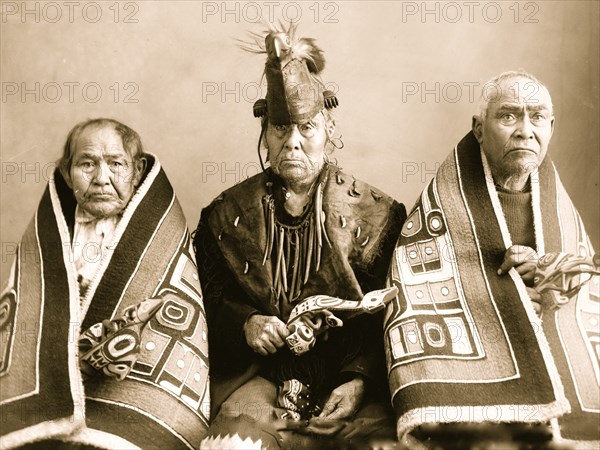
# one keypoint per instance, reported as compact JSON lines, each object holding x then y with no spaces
{"x":362,"y":225}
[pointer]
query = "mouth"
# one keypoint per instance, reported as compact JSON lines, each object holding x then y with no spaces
{"x":100,"y":196}
{"x":521,"y":149}
{"x":295,"y":162}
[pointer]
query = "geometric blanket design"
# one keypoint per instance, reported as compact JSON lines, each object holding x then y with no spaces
{"x":464,"y":344}
{"x":164,"y":399}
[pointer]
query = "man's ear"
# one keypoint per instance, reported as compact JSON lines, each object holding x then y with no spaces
{"x":476,"y":126}
{"x":140,"y":169}
{"x":552,"y":126}
{"x":330,"y":129}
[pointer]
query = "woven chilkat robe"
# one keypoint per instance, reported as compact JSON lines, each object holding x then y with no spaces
{"x":164,"y":400}
{"x":463,"y":344}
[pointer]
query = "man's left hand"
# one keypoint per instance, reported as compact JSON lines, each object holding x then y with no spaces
{"x":536,"y":300}
{"x":523,"y":259}
{"x":344,"y":401}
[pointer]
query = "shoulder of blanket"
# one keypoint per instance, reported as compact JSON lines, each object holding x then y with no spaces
{"x":360,"y":213}
{"x":239,"y":200}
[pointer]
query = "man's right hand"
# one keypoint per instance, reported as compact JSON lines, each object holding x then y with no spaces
{"x":524,"y":259}
{"x":265,"y":334}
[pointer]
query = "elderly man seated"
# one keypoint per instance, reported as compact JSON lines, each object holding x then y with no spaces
{"x":104,"y":280}
{"x":301,"y":234}
{"x":463,"y":340}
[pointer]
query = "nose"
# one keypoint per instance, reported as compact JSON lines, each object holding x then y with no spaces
{"x":102,"y":174}
{"x":524,"y":128}
{"x":292,"y":141}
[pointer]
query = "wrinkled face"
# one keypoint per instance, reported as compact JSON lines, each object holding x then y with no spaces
{"x":297,"y":152}
{"x":517,"y":128}
{"x":102,"y":174}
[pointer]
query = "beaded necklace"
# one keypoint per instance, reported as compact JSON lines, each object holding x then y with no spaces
{"x":295,"y":249}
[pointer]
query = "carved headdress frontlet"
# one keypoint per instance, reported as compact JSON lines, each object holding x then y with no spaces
{"x":295,"y":92}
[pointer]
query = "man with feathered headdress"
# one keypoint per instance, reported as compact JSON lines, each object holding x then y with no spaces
{"x":300,"y":229}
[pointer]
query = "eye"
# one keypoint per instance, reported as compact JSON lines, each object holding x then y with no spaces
{"x":507,"y":118}
{"x":308,"y":129}
{"x":86,"y":164}
{"x":538,"y":118}
{"x":280,"y":128}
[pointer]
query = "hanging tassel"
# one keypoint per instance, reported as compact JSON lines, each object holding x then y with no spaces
{"x":279,"y":258}
{"x":288,"y":246}
{"x":265,"y":203}
{"x":303,"y":257}
{"x":311,"y":237}
{"x":284,"y":266}
{"x":296,"y":264}
{"x":317,"y":217}
{"x":318,"y":245}
{"x":269,"y":223}
{"x":319,"y":225}
{"x":272,"y":226}
{"x":284,"y":295}
{"x":298,"y":249}
{"x":323,"y":218}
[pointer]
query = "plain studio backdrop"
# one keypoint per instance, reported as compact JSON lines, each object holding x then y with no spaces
{"x":407,"y":75}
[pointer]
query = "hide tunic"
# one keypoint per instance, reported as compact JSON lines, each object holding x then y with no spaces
{"x":361,"y":224}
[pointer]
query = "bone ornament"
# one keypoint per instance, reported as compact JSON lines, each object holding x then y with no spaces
{"x":315,"y":315}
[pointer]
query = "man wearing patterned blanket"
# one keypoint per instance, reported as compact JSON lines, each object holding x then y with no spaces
{"x":497,"y":316}
{"x":104,"y":280}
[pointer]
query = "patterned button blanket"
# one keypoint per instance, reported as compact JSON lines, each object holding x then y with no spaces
{"x":464,"y":344}
{"x":164,"y":396}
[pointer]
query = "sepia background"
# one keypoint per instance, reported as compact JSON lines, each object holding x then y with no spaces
{"x":407,"y":75}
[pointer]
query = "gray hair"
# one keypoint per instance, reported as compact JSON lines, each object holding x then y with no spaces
{"x":484,"y":99}
{"x":132,"y":143}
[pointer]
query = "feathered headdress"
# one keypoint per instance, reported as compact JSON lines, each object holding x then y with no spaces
{"x":295,"y":92}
